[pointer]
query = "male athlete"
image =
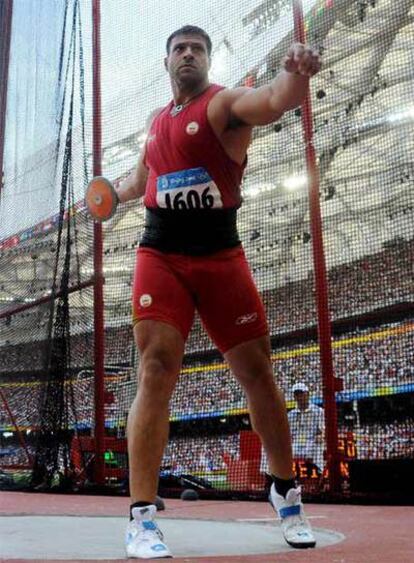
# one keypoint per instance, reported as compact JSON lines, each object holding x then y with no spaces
{"x":190,"y":257}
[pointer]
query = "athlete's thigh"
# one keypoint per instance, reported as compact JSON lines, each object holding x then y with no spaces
{"x":159,"y":293}
{"x":229,"y":302}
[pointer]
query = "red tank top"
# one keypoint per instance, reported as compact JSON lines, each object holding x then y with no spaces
{"x":188,"y":167}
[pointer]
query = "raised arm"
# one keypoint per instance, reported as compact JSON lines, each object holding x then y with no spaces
{"x":133,"y":186}
{"x":286,"y":91}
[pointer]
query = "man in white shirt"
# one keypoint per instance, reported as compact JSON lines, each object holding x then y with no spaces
{"x":307,"y":427}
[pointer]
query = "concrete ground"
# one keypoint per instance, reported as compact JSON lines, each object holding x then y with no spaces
{"x":43,"y":528}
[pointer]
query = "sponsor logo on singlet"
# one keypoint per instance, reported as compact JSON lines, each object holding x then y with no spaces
{"x":188,"y":189}
{"x":145,"y":300}
{"x":192,"y":128}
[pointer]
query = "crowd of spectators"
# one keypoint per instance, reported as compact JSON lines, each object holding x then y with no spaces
{"x":369,"y":364}
{"x":376,"y":281}
{"x":200,"y":453}
{"x":32,"y":355}
{"x":203,"y":454}
{"x":372,"y":441}
{"x":364,"y":363}
{"x":208,"y":456}
{"x":16,"y":456}
{"x":365,"y":360}
{"x":385,"y":441}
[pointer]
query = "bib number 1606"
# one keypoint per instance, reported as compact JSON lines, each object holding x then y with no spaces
{"x":190,"y":199}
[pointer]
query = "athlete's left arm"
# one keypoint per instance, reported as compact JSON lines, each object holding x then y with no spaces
{"x":287,"y":90}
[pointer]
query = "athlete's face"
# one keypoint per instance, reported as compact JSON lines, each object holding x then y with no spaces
{"x":188,"y":61}
{"x":302,"y":399}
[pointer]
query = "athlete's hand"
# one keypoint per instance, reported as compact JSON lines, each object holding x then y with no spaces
{"x":302,"y":59}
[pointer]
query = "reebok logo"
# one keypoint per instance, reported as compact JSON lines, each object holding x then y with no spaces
{"x":246,"y":319}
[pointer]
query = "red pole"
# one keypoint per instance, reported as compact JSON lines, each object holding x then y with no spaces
{"x":6,"y":16}
{"x":20,"y":308}
{"x":99,"y":348}
{"x":324,"y":322}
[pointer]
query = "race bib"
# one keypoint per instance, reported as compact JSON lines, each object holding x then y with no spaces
{"x":188,"y":189}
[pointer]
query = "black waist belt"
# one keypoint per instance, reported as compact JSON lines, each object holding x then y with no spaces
{"x":194,"y":232}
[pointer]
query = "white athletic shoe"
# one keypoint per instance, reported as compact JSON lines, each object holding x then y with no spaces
{"x":143,"y":538}
{"x":296,"y":528}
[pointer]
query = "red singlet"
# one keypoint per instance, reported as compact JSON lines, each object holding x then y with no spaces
{"x":190,"y":256}
{"x":184,"y":155}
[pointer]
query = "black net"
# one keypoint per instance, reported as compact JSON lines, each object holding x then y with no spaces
{"x":46,"y":244}
{"x":363,"y":123}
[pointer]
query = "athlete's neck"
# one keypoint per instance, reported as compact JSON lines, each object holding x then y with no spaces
{"x":183,"y":96}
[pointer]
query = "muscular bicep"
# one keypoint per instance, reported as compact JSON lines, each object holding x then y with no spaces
{"x":141,"y":174}
{"x":254,"y":106}
{"x":141,"y":171}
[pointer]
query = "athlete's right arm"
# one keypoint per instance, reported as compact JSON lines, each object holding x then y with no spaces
{"x":133,"y":187}
{"x":134,"y":184}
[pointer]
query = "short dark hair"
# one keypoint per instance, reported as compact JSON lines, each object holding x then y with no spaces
{"x":190,"y":30}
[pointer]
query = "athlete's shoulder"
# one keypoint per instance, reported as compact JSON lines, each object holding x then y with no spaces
{"x":230,"y":95}
{"x":152,"y":116}
{"x":220,"y":108}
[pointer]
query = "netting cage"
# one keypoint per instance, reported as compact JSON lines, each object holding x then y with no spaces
{"x":326,"y":224}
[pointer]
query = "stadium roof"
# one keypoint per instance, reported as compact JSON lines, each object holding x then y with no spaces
{"x":364,"y":134}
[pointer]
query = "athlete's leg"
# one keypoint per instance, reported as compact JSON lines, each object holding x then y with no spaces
{"x":251,"y":364}
{"x":161,"y":349}
{"x":163,"y":313}
{"x":233,"y":313}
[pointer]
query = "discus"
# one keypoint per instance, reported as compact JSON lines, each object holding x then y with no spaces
{"x":101,"y":198}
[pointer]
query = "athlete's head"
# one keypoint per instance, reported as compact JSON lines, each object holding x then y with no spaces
{"x":301,"y":395}
{"x":188,"y":56}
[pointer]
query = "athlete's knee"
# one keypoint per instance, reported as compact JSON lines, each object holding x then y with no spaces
{"x":158,"y":372}
{"x":260,"y":376}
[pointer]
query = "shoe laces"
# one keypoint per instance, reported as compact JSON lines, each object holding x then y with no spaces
{"x":147,"y":530}
{"x":297,"y":521}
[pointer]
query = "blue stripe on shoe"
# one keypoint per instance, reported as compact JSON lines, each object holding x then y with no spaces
{"x":148,"y":525}
{"x":289,"y":511}
{"x":159,"y":547}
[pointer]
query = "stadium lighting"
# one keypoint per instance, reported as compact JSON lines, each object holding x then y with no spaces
{"x":402,"y":116}
{"x":255,"y":189}
{"x":116,"y":269}
{"x":219,"y":63}
{"x":295,"y":182}
{"x":109,"y":270}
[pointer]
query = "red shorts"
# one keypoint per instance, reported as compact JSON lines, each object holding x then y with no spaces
{"x":170,"y":287}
